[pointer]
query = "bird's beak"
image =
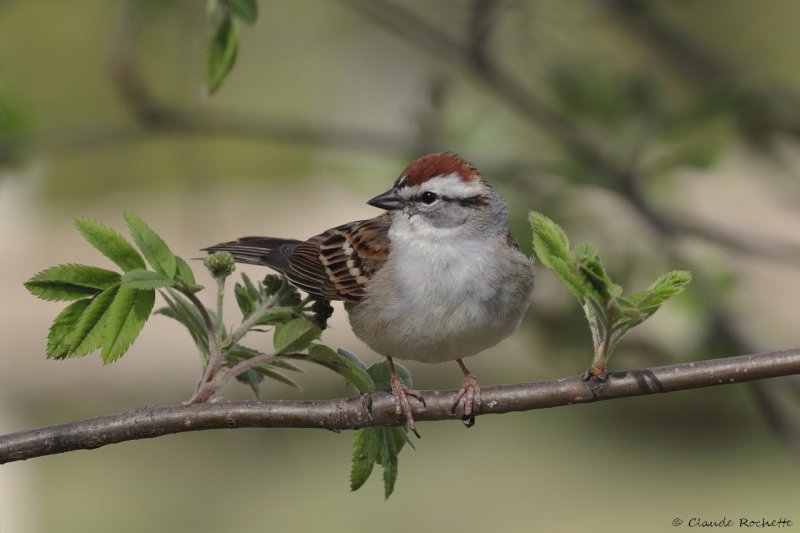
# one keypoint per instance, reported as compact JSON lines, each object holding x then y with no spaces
{"x":388,"y":200}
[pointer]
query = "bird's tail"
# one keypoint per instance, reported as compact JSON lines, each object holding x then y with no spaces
{"x":251,"y":250}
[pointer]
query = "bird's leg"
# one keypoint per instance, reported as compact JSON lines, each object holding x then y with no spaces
{"x":471,"y":392}
{"x":401,"y":392}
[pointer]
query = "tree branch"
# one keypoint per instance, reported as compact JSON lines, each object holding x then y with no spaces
{"x":377,"y":408}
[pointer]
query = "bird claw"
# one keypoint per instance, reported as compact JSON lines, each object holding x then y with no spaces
{"x":402,"y":407}
{"x":471,"y":392}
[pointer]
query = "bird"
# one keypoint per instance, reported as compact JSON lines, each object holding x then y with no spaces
{"x":437,"y":277}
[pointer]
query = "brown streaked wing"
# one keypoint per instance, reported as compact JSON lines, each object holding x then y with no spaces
{"x":352,"y":253}
{"x":307,"y":268}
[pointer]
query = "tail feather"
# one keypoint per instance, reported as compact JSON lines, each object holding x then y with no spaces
{"x":252,"y":250}
{"x":276,"y":254}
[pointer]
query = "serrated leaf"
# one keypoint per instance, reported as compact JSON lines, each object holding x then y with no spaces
{"x":577,"y":284}
{"x":549,"y":240}
{"x":126,"y":317}
{"x":146,"y":280}
{"x":585,"y":250}
{"x":110,"y":243}
{"x":649,"y":300}
{"x":389,"y":461}
{"x":244,"y":299}
{"x":155,"y":250}
{"x":353,"y":373}
{"x":70,"y":282}
{"x":88,"y":333}
{"x":246,"y":10}
{"x":185,"y":274}
{"x":221,"y":54}
{"x":294,"y":335}
{"x":670,"y":284}
{"x":366,"y":445}
{"x":180,"y":309}
{"x":252,"y":290}
{"x":595,"y":274}
{"x":62,"y":326}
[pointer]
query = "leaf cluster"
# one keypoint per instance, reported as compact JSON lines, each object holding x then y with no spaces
{"x":379,"y":445}
{"x":610,"y":314}
{"x":109,"y":308}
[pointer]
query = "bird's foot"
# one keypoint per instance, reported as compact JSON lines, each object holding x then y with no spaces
{"x":401,"y":392}
{"x":471,"y":392}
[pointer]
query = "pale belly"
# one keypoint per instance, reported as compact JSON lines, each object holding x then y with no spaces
{"x":436,"y":317}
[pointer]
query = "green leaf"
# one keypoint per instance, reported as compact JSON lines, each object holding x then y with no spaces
{"x":246,"y":10}
{"x":246,"y":296}
{"x":221,"y":54}
{"x":342,"y":365}
{"x":185,"y":274}
{"x":255,"y":375}
{"x":610,"y":314}
{"x":62,"y":326}
{"x":70,"y":282}
{"x":381,"y":375}
{"x":549,"y":240}
{"x":585,"y":250}
{"x":271,"y":373}
{"x":366,"y":446}
{"x":88,"y":332}
{"x":281,"y":363}
{"x":352,"y":358}
{"x":181,"y":309}
{"x":110,"y":243}
{"x":155,"y":250}
{"x":126,"y":317}
{"x":295,"y":335}
{"x":252,"y":379}
{"x":576,"y":283}
{"x":595,"y":273}
{"x":668,"y":285}
{"x":146,"y":280}
{"x":389,"y":461}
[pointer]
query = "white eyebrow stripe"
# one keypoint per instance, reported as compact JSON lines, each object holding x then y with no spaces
{"x":449,"y":185}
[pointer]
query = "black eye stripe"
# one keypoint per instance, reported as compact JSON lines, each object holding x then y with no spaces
{"x":469,"y":201}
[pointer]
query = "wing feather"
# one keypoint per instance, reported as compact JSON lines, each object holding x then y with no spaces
{"x":336,"y":264}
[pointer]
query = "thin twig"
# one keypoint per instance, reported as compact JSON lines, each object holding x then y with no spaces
{"x":377,"y":408}
{"x":209,"y":389}
{"x":209,"y":386}
{"x":220,"y":297}
{"x":213,"y":345}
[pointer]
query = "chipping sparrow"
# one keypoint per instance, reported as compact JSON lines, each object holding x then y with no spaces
{"x":438,"y":277}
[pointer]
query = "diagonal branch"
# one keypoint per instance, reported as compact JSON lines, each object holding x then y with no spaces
{"x":377,"y":408}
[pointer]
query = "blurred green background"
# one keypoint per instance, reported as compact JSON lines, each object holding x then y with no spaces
{"x":666,"y":133}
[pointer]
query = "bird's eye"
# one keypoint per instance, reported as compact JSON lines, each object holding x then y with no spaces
{"x":428,"y":197}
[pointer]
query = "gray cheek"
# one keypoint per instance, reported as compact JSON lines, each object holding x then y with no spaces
{"x":447,"y":216}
